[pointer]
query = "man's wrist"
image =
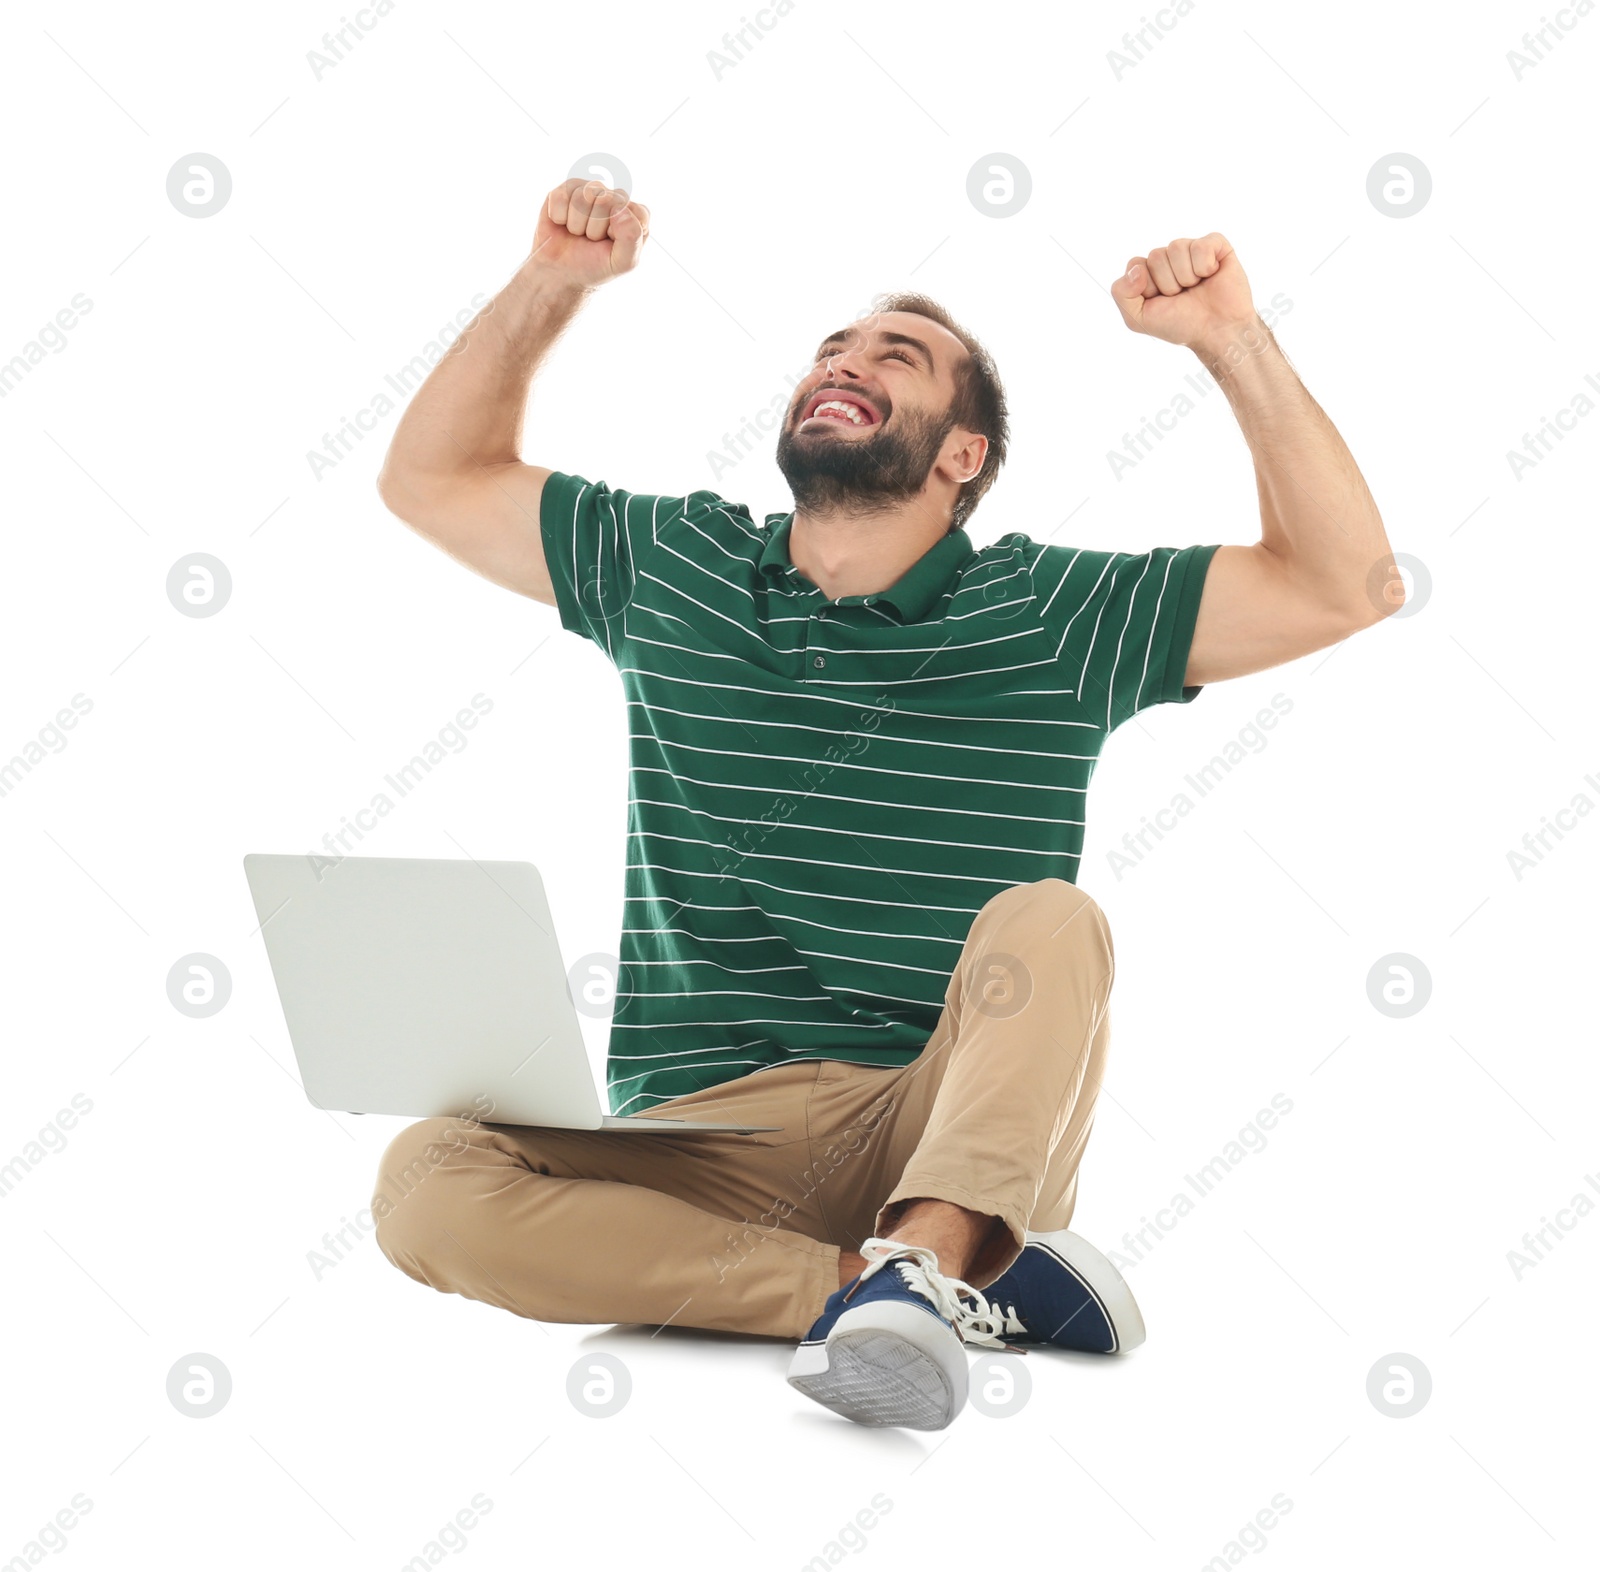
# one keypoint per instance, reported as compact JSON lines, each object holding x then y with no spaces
{"x":1224,"y":349}
{"x":552,"y":279}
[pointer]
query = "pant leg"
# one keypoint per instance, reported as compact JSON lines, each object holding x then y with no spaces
{"x":580,"y":1226}
{"x":995,"y":1112}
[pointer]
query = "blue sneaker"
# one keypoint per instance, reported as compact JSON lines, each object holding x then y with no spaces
{"x":1061,"y":1291}
{"x":886,"y":1349}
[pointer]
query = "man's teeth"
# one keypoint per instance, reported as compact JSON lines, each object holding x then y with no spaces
{"x":849,"y":411}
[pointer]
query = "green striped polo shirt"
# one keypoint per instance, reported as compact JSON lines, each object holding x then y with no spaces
{"x":823,"y":792}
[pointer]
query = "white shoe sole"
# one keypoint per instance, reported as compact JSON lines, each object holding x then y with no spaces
{"x":1104,"y":1282}
{"x":886,"y":1364}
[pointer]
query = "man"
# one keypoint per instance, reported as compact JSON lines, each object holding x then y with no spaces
{"x":859,"y":754}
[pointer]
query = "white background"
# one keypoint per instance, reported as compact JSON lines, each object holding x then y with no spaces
{"x":369,"y":205}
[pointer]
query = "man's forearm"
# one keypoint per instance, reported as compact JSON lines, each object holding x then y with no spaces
{"x":469,"y":412}
{"x":1317,"y":515}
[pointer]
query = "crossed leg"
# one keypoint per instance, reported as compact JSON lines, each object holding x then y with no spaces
{"x":964,"y":1149}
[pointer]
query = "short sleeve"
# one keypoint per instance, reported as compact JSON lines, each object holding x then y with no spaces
{"x":598,"y":540}
{"x":1123,"y":623}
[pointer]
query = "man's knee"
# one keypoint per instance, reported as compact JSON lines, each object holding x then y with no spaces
{"x":407,"y":1201}
{"x":1030,"y":929}
{"x":1057,"y":901}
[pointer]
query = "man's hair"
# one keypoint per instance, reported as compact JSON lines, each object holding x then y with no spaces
{"x":979,"y":402}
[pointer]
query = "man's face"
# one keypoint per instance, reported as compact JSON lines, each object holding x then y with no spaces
{"x":868,"y":422}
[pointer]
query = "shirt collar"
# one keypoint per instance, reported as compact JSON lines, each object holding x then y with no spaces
{"x":912,"y":594}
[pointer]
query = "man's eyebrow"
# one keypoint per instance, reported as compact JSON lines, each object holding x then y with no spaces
{"x":844,"y":335}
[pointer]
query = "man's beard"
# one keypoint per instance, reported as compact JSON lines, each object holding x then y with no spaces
{"x":830,"y":474}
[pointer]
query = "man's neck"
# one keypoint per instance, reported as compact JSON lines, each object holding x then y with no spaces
{"x":862,"y":553}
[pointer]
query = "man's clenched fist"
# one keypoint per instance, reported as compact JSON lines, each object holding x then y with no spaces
{"x":1192,"y":292}
{"x":589,"y":233}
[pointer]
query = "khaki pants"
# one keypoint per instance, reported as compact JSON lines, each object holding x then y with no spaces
{"x":742,"y":1233}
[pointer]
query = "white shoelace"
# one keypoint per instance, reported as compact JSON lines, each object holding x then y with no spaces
{"x":993,"y":1318}
{"x":980,"y":1323}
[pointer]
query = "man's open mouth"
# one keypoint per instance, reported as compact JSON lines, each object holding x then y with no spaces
{"x":832,"y":404}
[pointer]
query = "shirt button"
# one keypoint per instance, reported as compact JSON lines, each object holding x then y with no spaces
{"x":818,"y":660}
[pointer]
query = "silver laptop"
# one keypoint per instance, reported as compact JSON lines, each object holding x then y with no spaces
{"x":431,"y":986}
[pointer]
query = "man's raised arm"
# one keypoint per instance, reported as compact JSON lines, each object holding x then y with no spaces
{"x":452,"y":471}
{"x":1322,"y":569}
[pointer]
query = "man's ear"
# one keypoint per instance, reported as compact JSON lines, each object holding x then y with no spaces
{"x":966,"y":459}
